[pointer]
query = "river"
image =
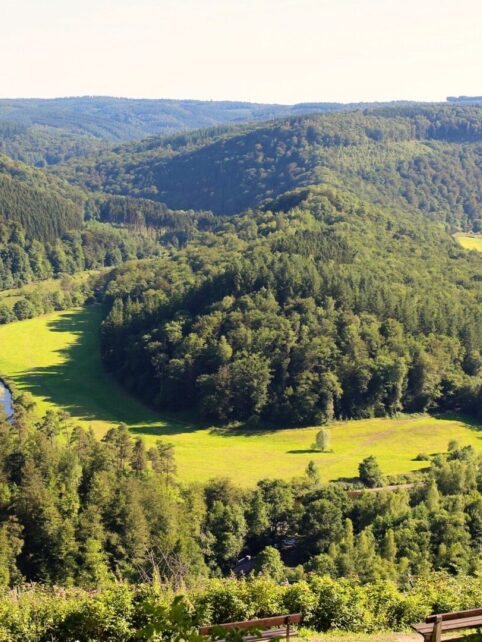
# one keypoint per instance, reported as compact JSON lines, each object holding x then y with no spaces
{"x":6,"y":400}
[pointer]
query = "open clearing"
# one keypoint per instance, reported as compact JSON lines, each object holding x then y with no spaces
{"x":56,"y":358}
{"x":470,"y":241}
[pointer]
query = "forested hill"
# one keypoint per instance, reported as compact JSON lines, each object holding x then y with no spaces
{"x":49,"y":227}
{"x":43,"y":205}
{"x":46,"y":206}
{"x":334,"y":308}
{"x":426,"y":158}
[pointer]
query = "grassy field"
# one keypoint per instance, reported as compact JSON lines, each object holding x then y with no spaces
{"x":470,"y":241}
{"x":56,"y":358}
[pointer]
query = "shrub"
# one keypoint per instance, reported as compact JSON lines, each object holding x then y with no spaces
{"x":299,"y":598}
{"x":370,"y":473}
{"x":223,"y":601}
{"x":23,"y":309}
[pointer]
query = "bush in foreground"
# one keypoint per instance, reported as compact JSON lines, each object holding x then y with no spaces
{"x":123,"y":613}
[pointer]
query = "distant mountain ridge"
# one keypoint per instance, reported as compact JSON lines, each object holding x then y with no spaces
{"x":465,"y":100}
{"x":115,"y":119}
{"x":47,"y":131}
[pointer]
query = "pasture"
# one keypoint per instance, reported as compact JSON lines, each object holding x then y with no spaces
{"x":470,"y":241}
{"x":56,"y":357}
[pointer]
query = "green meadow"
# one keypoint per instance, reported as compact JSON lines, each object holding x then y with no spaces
{"x":470,"y":241}
{"x":56,"y":358}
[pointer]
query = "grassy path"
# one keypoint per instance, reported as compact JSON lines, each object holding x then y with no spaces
{"x":56,"y":358}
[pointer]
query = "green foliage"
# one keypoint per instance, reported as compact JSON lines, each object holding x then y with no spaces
{"x":370,"y":473}
{"x":47,"y":132}
{"x":23,"y":309}
{"x":41,"y":204}
{"x":174,"y":622}
{"x":124,"y":614}
{"x":322,"y":441}
{"x":142,"y":214}
{"x":97,"y":245}
{"x":268,"y":562}
{"x":318,"y":305}
{"x":78,"y":511}
{"x":330,"y":310}
{"x":114,"y":119}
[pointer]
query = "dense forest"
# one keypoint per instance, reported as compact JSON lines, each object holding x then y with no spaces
{"x":110,"y":518}
{"x":416,"y":158}
{"x":334,"y":308}
{"x":76,"y":510}
{"x":49,"y":228}
{"x":42,"y":145}
{"x":43,"y":205}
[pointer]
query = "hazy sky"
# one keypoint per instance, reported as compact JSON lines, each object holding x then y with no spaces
{"x":258,"y":50}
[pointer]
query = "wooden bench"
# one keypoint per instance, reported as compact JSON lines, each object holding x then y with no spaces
{"x":268,"y":628}
{"x":435,"y":625}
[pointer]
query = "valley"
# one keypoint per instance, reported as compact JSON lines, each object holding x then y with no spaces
{"x":56,"y":358}
{"x":240,"y":321}
{"x":183,"y":316}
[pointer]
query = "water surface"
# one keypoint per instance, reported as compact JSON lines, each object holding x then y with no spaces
{"x":6,"y":402}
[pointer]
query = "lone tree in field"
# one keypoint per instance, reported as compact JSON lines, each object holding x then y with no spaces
{"x":370,"y":473}
{"x":312,"y":472}
{"x":322,"y":440}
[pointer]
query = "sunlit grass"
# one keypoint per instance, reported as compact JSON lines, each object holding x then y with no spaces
{"x":470,"y":241}
{"x":56,"y":357}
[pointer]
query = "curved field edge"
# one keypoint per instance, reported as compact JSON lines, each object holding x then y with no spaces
{"x":56,"y":358}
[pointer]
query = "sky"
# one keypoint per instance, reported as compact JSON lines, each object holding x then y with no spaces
{"x":283,"y":51}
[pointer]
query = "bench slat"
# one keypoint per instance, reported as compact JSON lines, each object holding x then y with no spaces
{"x":267,"y":635}
{"x":450,"y":625}
{"x":277,"y":633}
{"x":455,"y":615}
{"x":267,"y":622}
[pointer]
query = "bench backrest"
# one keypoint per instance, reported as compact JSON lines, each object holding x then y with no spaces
{"x":455,"y":615}
{"x":264,"y":623}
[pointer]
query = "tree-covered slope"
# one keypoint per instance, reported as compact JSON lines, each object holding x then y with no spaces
{"x":426,"y":158}
{"x":42,"y":145}
{"x":48,"y":227}
{"x":334,"y":308}
{"x":43,"y":205}
{"x":48,"y":131}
